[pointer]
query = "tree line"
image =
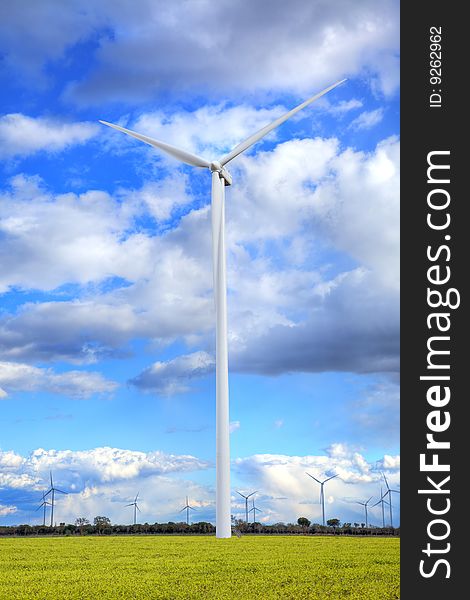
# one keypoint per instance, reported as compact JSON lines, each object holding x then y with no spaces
{"x":102,"y":526}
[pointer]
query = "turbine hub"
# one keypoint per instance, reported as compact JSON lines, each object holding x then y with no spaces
{"x":216,"y":167}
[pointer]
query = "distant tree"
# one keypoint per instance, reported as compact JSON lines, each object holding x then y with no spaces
{"x":101,"y":523}
{"x":81,"y":522}
{"x":333,"y":523}
{"x":303,"y":522}
{"x":356,"y":524}
{"x":363,"y":525}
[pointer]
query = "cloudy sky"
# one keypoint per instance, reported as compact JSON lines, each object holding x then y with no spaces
{"x":107,"y":316}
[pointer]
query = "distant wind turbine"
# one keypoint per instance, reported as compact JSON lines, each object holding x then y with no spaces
{"x":322,"y":493}
{"x":187,"y":508}
{"x":382,"y":501}
{"x":52,"y":490}
{"x":221,"y":178}
{"x":246,"y":503}
{"x":136,"y":507}
{"x":44,"y":504}
{"x":389,"y":494}
{"x":253,"y":510}
{"x":365,"y":504}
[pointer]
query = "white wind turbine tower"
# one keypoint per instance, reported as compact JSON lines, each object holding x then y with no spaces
{"x":322,"y":493}
{"x":136,"y":507}
{"x":389,"y":494}
{"x":382,"y":501}
{"x":221,"y":178}
{"x":365,"y":505}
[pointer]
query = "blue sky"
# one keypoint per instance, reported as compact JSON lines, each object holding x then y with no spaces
{"x":106,"y":322}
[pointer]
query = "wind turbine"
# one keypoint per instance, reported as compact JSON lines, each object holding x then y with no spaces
{"x":382,"y":501}
{"x":364,"y":504}
{"x":322,"y":493}
{"x":221,"y":178}
{"x":389,"y":493}
{"x":136,"y":508}
{"x":246,"y":502}
{"x":44,"y":503}
{"x":253,"y":510}
{"x":52,"y":490}
{"x":187,"y":508}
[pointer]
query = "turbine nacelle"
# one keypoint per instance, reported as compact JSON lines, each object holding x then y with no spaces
{"x":216,"y":167}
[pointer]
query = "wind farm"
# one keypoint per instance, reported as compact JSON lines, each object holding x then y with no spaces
{"x":200,"y":277}
{"x":242,"y":518}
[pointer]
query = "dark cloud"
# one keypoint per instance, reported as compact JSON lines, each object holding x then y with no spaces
{"x":173,"y":376}
{"x":149,"y":46}
{"x":352,"y":329}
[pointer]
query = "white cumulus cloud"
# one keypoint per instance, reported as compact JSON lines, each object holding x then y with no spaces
{"x":21,"y":135}
{"x":15,"y":377}
{"x":367,"y":119}
{"x":284,"y":314}
{"x":7,"y":510}
{"x":103,"y":480}
{"x":286,"y":492}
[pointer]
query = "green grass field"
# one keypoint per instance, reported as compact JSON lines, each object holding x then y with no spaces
{"x":199,"y":567}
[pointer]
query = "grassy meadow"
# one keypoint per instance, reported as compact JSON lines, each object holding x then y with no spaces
{"x":174,"y":567}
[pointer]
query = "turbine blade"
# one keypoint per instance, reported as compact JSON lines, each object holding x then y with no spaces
{"x":183,"y":509}
{"x":242,"y":495}
{"x":317,"y":480}
{"x":182,"y":155}
{"x":376,"y":503}
{"x":252,"y":493}
{"x":138,"y":508}
{"x":128,"y":505}
{"x":265,"y":130}
{"x":218,"y":259}
{"x":386,"y":482}
{"x":57,"y":490}
{"x":332,"y":477}
{"x":52,"y":485}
